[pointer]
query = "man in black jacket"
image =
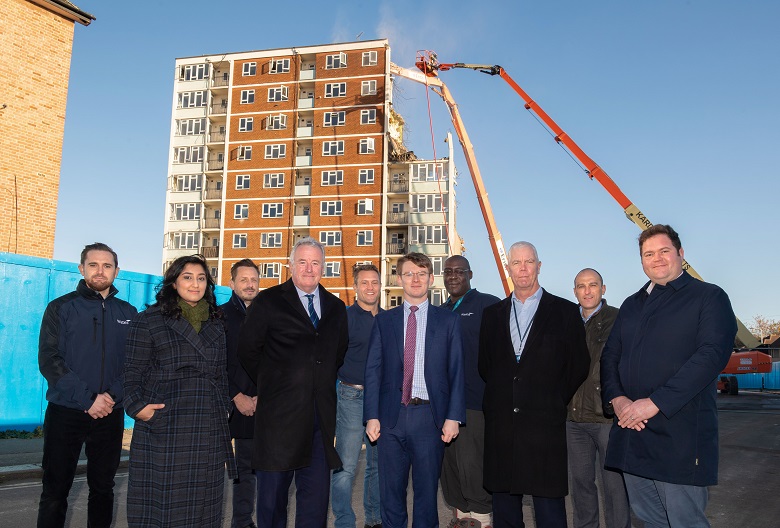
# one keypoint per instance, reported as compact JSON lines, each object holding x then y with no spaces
{"x":81,"y":354}
{"x":244,"y":279}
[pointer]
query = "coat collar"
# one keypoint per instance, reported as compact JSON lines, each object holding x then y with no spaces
{"x":290,"y":294}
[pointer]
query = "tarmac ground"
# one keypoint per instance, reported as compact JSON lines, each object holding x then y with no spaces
{"x":749,"y":477}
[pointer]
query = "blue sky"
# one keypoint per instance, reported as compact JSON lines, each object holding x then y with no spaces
{"x":677,"y":101}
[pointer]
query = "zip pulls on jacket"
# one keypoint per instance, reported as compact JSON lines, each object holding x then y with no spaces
{"x":103,"y":347}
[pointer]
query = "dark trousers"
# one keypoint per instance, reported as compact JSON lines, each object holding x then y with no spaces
{"x":65,"y":431}
{"x":312,"y":490}
{"x":414,"y":442}
{"x":508,"y":511}
{"x":245,"y":486}
{"x":461,"y":472}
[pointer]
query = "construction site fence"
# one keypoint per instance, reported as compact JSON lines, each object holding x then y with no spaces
{"x":29,"y":284}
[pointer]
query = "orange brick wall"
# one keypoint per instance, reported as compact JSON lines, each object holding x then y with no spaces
{"x":35,"y":46}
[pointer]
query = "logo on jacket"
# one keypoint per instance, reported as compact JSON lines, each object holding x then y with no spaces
{"x":467,"y":314}
{"x":123,"y":321}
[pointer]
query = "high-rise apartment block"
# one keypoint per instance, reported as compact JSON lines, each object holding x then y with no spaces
{"x":271,"y":146}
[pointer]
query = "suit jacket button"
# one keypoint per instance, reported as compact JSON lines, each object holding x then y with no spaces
{"x":516,"y":378}
{"x":319,"y":362}
{"x":516,"y":409}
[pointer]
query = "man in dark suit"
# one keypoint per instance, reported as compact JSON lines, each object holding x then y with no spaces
{"x":244,"y":279}
{"x":414,"y":394}
{"x":658,"y":371}
{"x":533,"y":357}
{"x":292,"y":343}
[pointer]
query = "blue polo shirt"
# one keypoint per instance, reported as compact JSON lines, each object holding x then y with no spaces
{"x":360,"y":323}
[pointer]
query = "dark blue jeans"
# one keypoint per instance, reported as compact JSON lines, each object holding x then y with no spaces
{"x":65,"y":431}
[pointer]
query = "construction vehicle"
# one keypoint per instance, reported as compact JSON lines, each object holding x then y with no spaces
{"x":748,"y":362}
{"x":428,"y":64}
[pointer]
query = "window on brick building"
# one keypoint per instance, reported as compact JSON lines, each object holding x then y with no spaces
{"x":338,"y":60}
{"x":273,"y":210}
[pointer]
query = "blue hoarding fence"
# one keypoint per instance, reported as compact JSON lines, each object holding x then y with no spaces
{"x":28,"y":285}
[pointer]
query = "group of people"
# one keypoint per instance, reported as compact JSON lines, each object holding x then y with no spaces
{"x":494,"y":400}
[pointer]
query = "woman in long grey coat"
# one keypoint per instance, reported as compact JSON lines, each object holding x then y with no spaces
{"x":176,"y":390}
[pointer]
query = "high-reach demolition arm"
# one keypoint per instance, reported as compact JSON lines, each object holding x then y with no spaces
{"x":429,"y":65}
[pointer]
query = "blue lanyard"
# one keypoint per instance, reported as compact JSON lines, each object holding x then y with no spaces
{"x":460,"y":300}
{"x":523,"y":337}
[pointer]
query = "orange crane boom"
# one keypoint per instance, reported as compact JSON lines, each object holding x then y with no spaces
{"x":429,"y":65}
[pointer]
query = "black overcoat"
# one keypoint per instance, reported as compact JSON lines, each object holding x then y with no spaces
{"x":525,"y":402}
{"x":294,"y":366}
{"x":238,"y":380}
{"x":178,"y":456}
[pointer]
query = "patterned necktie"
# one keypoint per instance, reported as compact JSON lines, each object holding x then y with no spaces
{"x":410,"y":345}
{"x":312,"y":312}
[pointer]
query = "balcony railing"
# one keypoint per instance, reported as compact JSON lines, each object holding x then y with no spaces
{"x":213,"y":194}
{"x":398,"y":218}
{"x":303,"y":190}
{"x":301,"y":220}
{"x":391,"y":280}
{"x":214,"y":165}
{"x":217,"y":136}
{"x":399,"y":186}
{"x":305,"y":103}
{"x":303,"y":161}
{"x":220,"y":80}
{"x":396,"y":248}
{"x":218,"y":109}
{"x":211,"y":223}
{"x":210,"y":252}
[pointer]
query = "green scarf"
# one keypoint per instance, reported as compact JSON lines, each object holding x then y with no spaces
{"x":195,"y":314}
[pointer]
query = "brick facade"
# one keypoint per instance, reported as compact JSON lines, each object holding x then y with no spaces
{"x":35,"y":45}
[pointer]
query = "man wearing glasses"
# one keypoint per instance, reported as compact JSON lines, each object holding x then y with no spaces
{"x":461,"y":472}
{"x":414,"y":396}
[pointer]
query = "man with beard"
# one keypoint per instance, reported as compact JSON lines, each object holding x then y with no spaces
{"x":244,"y":279}
{"x":81,"y":354}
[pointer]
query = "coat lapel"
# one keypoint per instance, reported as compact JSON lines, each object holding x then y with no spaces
{"x":290,"y":294}
{"x":398,"y":327}
{"x":540,"y":320}
{"x":182,"y":327}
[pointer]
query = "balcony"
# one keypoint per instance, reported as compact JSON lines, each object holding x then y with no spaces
{"x":303,"y":161}
{"x":212,"y":194}
{"x":220,"y":81}
{"x":391,"y":280}
{"x":398,"y":218}
{"x":396,"y":248}
{"x":301,"y":220}
{"x":303,"y":190}
{"x":400,"y":186}
{"x":217,"y":136}
{"x":308,"y":75}
{"x":210,"y":252}
{"x":218,"y":109}
{"x":305,"y":131}
{"x":215,"y":165}
{"x":303,"y":104}
{"x":210,"y":223}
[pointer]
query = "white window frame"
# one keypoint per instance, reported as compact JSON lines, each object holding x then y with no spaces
{"x":332,"y":177}
{"x":271,"y":240}
{"x":194,"y":72}
{"x":243,"y":181}
{"x":186,"y":211}
{"x":279,"y":66}
{"x":273,"y":210}
{"x":246,"y":124}
{"x":366,"y":146}
{"x":277,"y":94}
{"x":339,"y":60}
{"x":366,"y":177}
{"x":331,"y":119}
{"x":438,"y":266}
{"x":239,"y":240}
{"x":273,"y":180}
{"x":365,"y":237}
{"x":276,"y":122}
{"x":370,"y":58}
{"x":270,"y":270}
{"x":191,"y":127}
{"x":185,"y":240}
{"x":332,"y":269}
{"x":368,"y":87}
{"x":248,"y":69}
{"x":338,"y":89}
{"x":247,"y":96}
{"x":241,"y":211}
{"x":330,"y":238}
{"x":330,"y":208}
{"x":186,"y":183}
{"x":428,"y":203}
{"x":188,"y":154}
{"x":368,"y":117}
{"x":244,"y":153}
{"x":333,"y":148}
{"x":429,"y":234}
{"x":192,"y":99}
{"x":365,"y":206}
{"x":275,"y":151}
